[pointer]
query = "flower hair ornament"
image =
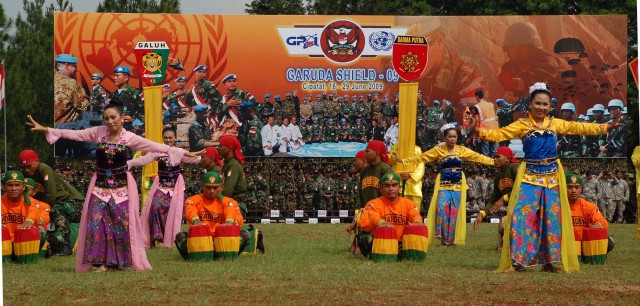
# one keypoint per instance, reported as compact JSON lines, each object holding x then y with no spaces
{"x":447,"y":127}
{"x":539,"y":86}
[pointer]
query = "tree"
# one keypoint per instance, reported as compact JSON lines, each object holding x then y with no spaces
{"x":139,"y":6}
{"x":275,"y":7}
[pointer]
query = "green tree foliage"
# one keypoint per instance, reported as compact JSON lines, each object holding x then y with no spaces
{"x":139,"y":6}
{"x":275,"y":7}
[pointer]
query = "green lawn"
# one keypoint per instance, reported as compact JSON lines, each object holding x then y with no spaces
{"x":309,"y":264}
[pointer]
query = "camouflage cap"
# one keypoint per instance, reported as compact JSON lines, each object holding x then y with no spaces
{"x":573,"y":179}
{"x":13,"y":176}
{"x":211,"y":178}
{"x":389,"y":177}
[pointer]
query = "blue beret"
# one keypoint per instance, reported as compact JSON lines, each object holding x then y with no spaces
{"x":330,"y":119}
{"x":166,"y":86}
{"x":303,"y":120}
{"x":277,"y":97}
{"x":66,"y":58}
{"x":288,"y":94}
{"x":229,"y":77}
{"x":200,"y":108}
{"x":339,"y":98}
{"x":96,"y":76}
{"x":554,"y":100}
{"x":386,"y":96}
{"x":353,"y":97}
{"x":375,"y":94}
{"x":181,"y":78}
{"x":335,"y":93}
{"x":436,"y":102}
{"x":343,"y":120}
{"x":315,"y":118}
{"x":137,"y":122}
{"x":122,"y":69}
{"x":318,"y":96}
{"x":295,"y":91}
{"x":361,"y":96}
{"x":358,"y":120}
{"x":501,"y":102}
{"x":267,"y":96}
{"x":346,"y":96}
{"x":201,"y":67}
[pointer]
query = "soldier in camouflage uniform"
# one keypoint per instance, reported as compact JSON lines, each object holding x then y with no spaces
{"x":590,"y":187}
{"x":317,"y":131}
{"x":615,"y":139}
{"x":234,"y":109}
{"x":605,"y":194}
{"x":331,"y":109}
{"x":99,"y":95}
{"x":554,"y":108}
{"x":131,"y":99}
{"x":326,"y":190}
{"x":278,"y":191}
{"x":306,"y":111}
{"x":343,"y":194}
{"x":432,"y":128}
{"x":304,"y":131}
{"x":388,"y":108}
{"x":318,"y":109}
{"x":421,"y":106}
{"x":592,"y":144}
{"x":505,"y":112}
{"x":376,"y":107}
{"x":199,"y":131}
{"x":70,"y":99}
{"x":448,"y":112}
{"x":251,"y":199}
{"x":278,"y":111}
{"x":620,"y":198}
{"x":569,"y":145}
{"x":346,"y":110}
{"x":308,"y":192}
{"x":265,"y":109}
{"x":330,"y":131}
{"x":262,"y":191}
{"x":178,"y":97}
{"x":204,"y":92}
{"x":288,"y":106}
{"x":344,"y":131}
{"x":359,"y":132}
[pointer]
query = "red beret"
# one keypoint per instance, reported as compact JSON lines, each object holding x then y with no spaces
{"x":27,"y":157}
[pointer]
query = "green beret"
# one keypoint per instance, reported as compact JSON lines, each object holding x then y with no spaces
{"x":30,"y":182}
{"x":389,"y":177}
{"x":211,"y":178}
{"x":13,"y":176}
{"x":573,"y":179}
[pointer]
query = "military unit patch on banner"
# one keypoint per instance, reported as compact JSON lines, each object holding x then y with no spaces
{"x":152,"y":58}
{"x":410,"y":55}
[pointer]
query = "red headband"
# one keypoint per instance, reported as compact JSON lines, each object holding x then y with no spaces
{"x":361,"y":154}
{"x":380,"y":148}
{"x":505,"y":151}
{"x":213,"y":154}
{"x":27,"y":157}
{"x":234,"y":144}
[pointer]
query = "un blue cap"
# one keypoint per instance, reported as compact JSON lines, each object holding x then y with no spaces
{"x":386,"y":96}
{"x":436,"y":102}
{"x":66,"y":58}
{"x":501,"y":102}
{"x":315,"y":118}
{"x":361,"y":96}
{"x":181,"y":78}
{"x":267,"y":96}
{"x":200,"y":108}
{"x":294,"y":91}
{"x":230,"y":76}
{"x":343,"y":120}
{"x":353,"y":97}
{"x":303,"y":120}
{"x":335,"y":93}
{"x":96,"y":76}
{"x":330,"y":119}
{"x":288,"y":94}
{"x":201,"y":67}
{"x":358,"y":120}
{"x":554,"y":100}
{"x":122,"y":69}
{"x":346,"y":96}
{"x":277,"y":97}
{"x":318,"y":96}
{"x":137,"y":122}
{"x":375,"y":94}
{"x":166,"y":86}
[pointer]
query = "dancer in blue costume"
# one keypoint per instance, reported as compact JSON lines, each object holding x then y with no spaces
{"x":539,"y":230}
{"x":447,"y":216}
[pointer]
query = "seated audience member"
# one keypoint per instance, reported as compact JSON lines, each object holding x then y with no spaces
{"x":389,"y":210}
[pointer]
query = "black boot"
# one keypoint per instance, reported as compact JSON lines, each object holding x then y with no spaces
{"x":260,"y":244}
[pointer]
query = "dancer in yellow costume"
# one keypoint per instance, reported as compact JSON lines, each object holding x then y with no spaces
{"x":539,"y":229}
{"x":447,"y":216}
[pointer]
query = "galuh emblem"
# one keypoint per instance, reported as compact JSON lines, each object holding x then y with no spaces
{"x":409,"y":63}
{"x":152,"y":61}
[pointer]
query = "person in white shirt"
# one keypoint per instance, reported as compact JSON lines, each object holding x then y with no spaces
{"x":296,"y":135}
{"x":286,"y":135}
{"x":270,"y":137}
{"x":391,"y":136}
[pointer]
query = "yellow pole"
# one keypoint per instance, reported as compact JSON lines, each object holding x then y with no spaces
{"x":152,"y":131}
{"x":407,"y":125}
{"x":635,"y":159}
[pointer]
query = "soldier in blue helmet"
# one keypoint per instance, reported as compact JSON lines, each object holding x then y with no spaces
{"x":98,"y":98}
{"x":69,"y":98}
{"x":129,"y":97}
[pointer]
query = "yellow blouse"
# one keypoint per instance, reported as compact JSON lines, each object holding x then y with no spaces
{"x":519,"y":128}
{"x":414,"y":184}
{"x":438,"y":153}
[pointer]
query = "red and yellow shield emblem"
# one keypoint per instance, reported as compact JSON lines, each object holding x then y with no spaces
{"x":410,"y":54}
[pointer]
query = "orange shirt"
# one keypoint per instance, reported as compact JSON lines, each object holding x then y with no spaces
{"x":402,"y":212}
{"x":585,"y":214}
{"x":15,"y":213}
{"x":212,"y":212}
{"x":44,"y":209}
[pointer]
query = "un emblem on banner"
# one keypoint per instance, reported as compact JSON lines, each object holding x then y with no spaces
{"x":381,"y":40}
{"x":152,"y":61}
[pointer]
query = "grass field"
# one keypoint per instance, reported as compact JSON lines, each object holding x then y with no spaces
{"x":309,"y":264}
